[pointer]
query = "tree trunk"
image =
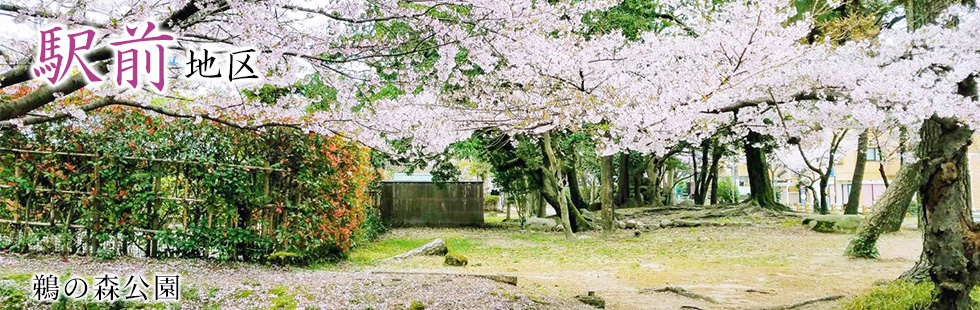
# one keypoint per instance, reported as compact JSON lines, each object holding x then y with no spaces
{"x":824,"y":203}
{"x":624,"y":179}
{"x":892,"y":203}
{"x":881,"y":171}
{"x":670,"y":199}
{"x":655,"y":174}
{"x":951,"y":239}
{"x":854,"y":197}
{"x":637,"y":189}
{"x":539,"y":203}
{"x":608,"y":207}
{"x":701,"y":182}
{"x":895,"y":219}
{"x":760,"y":184}
{"x":574,"y":190}
{"x":715,"y":158}
{"x":813,"y":196}
{"x":553,"y":184}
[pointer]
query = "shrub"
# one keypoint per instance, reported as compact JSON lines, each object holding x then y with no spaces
{"x":727,"y":191}
{"x":490,"y":202}
{"x":252,"y":193}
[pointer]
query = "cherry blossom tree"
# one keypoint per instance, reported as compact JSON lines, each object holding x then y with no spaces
{"x":433,"y":72}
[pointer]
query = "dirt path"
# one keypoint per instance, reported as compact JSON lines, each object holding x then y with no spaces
{"x":738,"y":267}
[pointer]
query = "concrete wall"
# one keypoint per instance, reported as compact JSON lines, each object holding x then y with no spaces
{"x":429,"y":204}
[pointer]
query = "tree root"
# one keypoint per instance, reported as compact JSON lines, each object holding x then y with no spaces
{"x":919,"y":272}
{"x":689,"y":223}
{"x":680,"y":291}
{"x":512,"y":280}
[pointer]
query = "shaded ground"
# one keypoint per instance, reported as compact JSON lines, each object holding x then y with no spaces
{"x":773,"y":262}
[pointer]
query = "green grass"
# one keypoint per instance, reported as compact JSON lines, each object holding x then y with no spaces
{"x":369,"y":253}
{"x":503,"y":247}
{"x":284,"y":300}
{"x":242,"y":294}
{"x":898,"y":295}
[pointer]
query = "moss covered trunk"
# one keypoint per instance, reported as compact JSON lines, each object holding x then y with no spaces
{"x":950,"y":239}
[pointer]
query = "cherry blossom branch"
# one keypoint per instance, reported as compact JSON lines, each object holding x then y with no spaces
{"x":104,"y":102}
{"x":828,"y":94}
{"x":42,"y":14}
{"x":338,"y":17}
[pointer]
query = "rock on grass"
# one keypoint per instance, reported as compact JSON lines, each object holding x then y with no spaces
{"x":435,"y":247}
{"x":455,"y":259}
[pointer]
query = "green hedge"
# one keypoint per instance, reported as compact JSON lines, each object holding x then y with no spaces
{"x":312,"y":206}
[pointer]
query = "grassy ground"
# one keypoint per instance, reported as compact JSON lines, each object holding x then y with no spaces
{"x":773,"y":263}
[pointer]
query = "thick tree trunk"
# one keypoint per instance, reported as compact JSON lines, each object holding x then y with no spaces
{"x":608,"y":207}
{"x":553,"y":184}
{"x":951,"y":239}
{"x":892,"y":203}
{"x":574,"y":190}
{"x":624,"y":179}
{"x":760,"y":184}
{"x":854,"y":197}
